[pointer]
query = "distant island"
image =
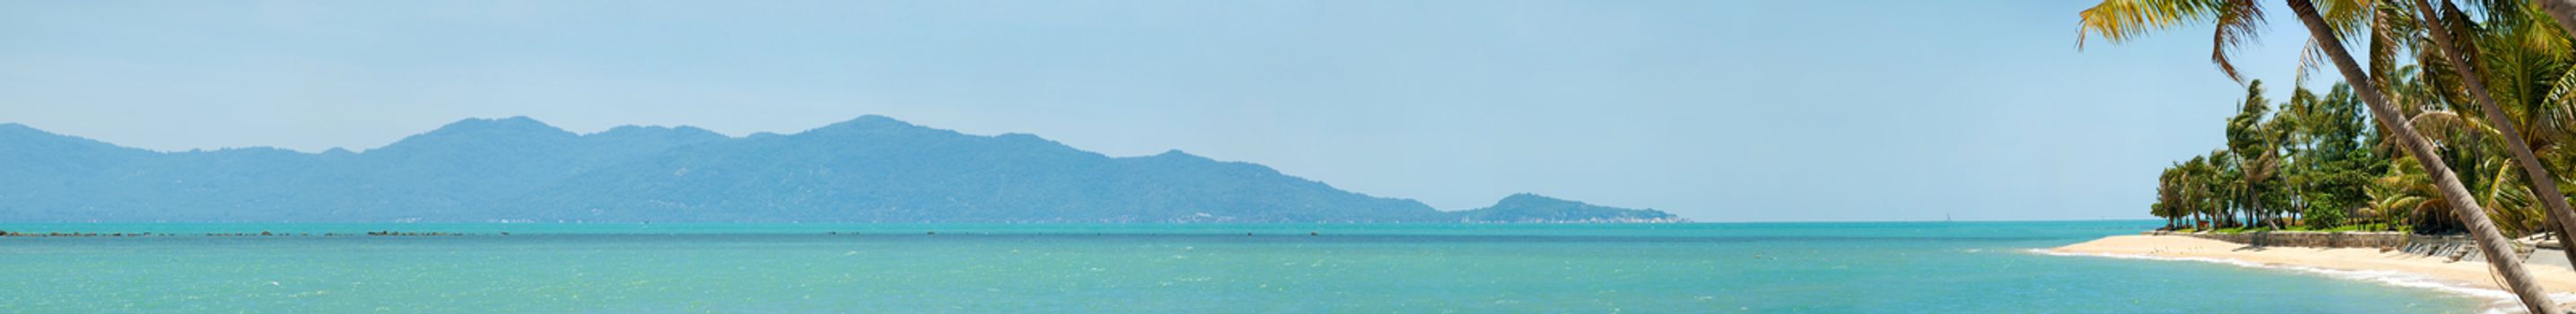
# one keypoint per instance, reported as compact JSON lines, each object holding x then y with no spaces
{"x":869,"y":169}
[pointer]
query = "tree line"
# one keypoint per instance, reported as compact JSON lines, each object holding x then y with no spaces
{"x":2313,"y":162}
{"x":2471,"y":108}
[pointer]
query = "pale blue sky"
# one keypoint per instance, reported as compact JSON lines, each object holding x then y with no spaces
{"x":1716,"y":110}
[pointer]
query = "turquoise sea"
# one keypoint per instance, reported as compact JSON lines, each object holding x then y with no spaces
{"x":1932,"y":267}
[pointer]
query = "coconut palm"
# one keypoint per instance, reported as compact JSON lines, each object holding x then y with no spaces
{"x":2226,"y":188}
{"x":2192,"y":194}
{"x":2471,"y":76}
{"x":2169,"y":203}
{"x":2490,"y":241}
{"x":2185,"y":197}
{"x":2256,"y":143}
{"x":2205,"y":190}
{"x":2408,"y":197}
{"x":2131,"y":18}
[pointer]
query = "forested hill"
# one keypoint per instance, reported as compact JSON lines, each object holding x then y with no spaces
{"x":869,"y":169}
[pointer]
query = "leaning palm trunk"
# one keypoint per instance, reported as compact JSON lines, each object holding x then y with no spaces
{"x":2490,"y":241}
{"x":2543,"y":185}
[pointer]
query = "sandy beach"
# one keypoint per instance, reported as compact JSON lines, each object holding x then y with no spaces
{"x":2558,"y":279}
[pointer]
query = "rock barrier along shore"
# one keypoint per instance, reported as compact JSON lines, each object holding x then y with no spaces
{"x":2454,"y":247}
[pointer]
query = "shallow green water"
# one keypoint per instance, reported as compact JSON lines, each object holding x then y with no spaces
{"x":1420,"y":268}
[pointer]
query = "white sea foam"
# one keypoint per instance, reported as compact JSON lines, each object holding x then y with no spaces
{"x":2499,"y":300}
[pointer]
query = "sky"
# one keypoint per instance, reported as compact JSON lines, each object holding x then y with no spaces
{"x":1715,"y":110}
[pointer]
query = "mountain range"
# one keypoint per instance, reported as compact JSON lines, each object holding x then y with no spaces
{"x":869,"y":169}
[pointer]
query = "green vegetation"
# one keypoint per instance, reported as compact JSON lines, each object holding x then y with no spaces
{"x":2487,"y":89}
{"x":2305,"y":167}
{"x":2313,"y":163}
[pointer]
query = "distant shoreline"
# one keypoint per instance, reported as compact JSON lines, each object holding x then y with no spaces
{"x":2389,"y":267}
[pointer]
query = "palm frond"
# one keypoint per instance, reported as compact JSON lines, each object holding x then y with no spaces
{"x":2238,"y":22}
{"x":2348,"y":16}
{"x":2120,"y":21}
{"x":2449,"y":127}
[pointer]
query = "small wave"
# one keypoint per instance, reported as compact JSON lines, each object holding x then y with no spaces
{"x":2499,"y":300}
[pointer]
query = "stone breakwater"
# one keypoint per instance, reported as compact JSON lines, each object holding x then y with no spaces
{"x":2453,"y":247}
{"x":2376,"y":240}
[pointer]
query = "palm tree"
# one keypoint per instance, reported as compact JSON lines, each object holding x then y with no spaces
{"x":2290,"y":133}
{"x":2490,"y":241}
{"x":2258,"y":156}
{"x":2199,"y":175}
{"x":2192,"y":195}
{"x":2408,"y":196}
{"x":2169,"y":203}
{"x":2470,"y":76}
{"x":2226,"y":191}
{"x":2115,"y":17}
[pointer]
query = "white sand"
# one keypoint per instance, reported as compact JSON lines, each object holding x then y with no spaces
{"x":2557,"y":279}
{"x":2554,"y":279}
